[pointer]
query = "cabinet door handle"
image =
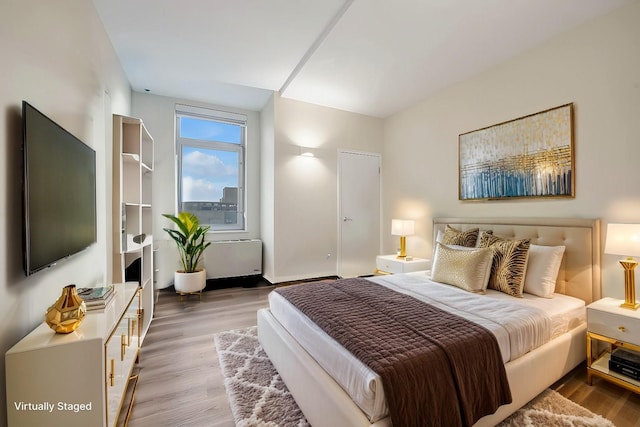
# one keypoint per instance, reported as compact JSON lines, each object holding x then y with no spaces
{"x":112,"y":376}
{"x":134,"y":330}
{"x":622,"y":329}
{"x":140,"y":321}
{"x":129,"y":330}
{"x":123,"y":346}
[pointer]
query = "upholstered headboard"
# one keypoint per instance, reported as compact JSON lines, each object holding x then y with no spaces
{"x":579,"y":274}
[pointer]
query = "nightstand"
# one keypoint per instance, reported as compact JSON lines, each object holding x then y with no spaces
{"x":391,"y":264}
{"x":610,"y":327}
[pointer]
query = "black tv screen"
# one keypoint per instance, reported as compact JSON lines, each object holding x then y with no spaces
{"x":59,"y":192}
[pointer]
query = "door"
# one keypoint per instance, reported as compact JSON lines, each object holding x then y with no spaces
{"x":359,"y":213}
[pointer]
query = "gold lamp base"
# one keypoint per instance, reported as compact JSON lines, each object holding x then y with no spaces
{"x":629,"y":265}
{"x":403,"y":247}
{"x":630,"y":306}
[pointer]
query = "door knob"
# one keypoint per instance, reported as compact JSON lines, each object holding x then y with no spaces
{"x":346,"y":218}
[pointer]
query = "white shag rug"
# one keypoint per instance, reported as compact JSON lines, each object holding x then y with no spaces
{"x":259,"y":397}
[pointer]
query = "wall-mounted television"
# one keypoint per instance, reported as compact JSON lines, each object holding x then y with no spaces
{"x":59,"y":192}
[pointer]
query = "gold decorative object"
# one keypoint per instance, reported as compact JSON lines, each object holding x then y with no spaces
{"x":67,"y":313}
{"x":624,"y":239}
{"x":402,"y":228}
{"x":629,"y":265}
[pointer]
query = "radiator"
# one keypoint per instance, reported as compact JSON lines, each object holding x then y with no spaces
{"x":233,"y":258}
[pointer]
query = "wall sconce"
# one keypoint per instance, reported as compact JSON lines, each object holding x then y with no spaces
{"x":624,"y":239}
{"x":306,"y":152}
{"x":402,"y":228}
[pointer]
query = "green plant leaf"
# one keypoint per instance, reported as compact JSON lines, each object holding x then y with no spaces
{"x":190,"y":239}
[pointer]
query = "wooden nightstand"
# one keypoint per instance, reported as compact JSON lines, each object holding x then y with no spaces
{"x":391,"y":264}
{"x":609,"y":327}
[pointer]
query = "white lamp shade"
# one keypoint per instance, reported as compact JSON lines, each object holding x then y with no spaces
{"x":402,"y":227}
{"x":623,"y":239}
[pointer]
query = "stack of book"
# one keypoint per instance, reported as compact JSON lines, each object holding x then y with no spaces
{"x":96,"y":298}
{"x":625,"y":362}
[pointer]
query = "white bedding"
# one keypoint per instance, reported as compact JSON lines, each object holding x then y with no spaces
{"x":519,"y":324}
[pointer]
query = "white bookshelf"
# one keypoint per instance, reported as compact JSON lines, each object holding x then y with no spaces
{"x":133,"y":154}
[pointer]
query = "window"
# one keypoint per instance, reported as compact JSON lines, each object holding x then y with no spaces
{"x":211,"y":152}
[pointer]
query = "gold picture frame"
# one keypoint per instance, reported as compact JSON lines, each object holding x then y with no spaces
{"x":531,"y":156}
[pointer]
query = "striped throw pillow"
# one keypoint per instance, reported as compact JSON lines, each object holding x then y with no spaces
{"x":509,"y":263}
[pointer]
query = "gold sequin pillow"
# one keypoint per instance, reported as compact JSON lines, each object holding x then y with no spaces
{"x":461,"y":238}
{"x":468,"y":269}
{"x":509,"y":263}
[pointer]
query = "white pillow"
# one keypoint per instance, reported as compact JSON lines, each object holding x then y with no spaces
{"x":467,"y":269}
{"x":542,"y":270}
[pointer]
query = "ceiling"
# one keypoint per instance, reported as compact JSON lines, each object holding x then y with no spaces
{"x":374,"y":57}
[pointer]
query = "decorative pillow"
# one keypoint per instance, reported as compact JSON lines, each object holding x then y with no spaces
{"x":466,"y":268}
{"x":509,"y":263}
{"x":456,"y":237}
{"x":482,"y":232}
{"x":542,"y":270}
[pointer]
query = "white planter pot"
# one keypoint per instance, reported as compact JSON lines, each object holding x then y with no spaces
{"x":187,"y":283}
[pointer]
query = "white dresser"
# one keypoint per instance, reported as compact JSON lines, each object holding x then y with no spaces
{"x":76,"y":379}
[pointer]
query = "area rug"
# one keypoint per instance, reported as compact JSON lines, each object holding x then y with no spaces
{"x":258,"y":396}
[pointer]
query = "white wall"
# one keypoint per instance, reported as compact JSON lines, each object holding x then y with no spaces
{"x":304,"y":190}
{"x":56,"y":56}
{"x":597,"y":67}
{"x":158,"y":115}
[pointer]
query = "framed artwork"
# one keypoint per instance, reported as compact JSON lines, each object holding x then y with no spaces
{"x":531,"y":156}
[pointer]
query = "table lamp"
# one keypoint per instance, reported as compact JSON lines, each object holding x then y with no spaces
{"x":624,"y":239}
{"x":402,"y":228}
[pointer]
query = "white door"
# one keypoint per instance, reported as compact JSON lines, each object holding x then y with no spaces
{"x":359,"y":213}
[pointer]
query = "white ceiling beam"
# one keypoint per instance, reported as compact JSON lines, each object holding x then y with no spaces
{"x":316,"y":44}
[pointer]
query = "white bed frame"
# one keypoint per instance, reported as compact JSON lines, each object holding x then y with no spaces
{"x":324,"y":402}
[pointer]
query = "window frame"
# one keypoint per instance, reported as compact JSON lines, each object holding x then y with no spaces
{"x":241,"y":148}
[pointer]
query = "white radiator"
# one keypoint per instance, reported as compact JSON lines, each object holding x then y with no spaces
{"x":233,"y":258}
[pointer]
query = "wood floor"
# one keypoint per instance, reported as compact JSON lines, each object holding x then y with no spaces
{"x":181,"y":384}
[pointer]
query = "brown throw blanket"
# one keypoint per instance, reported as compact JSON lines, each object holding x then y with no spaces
{"x":437,"y":369}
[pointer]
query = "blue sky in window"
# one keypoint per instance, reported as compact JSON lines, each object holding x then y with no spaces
{"x":208,"y":130}
{"x":205,"y":172}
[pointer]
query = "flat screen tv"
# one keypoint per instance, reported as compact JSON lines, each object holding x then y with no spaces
{"x":59,"y":192}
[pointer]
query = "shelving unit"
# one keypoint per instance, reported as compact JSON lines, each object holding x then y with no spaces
{"x":599,"y":365}
{"x":133,"y":154}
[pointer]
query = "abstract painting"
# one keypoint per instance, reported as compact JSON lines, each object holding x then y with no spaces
{"x":531,"y":156}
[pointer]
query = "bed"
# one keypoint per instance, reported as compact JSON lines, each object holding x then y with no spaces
{"x":333,"y":402}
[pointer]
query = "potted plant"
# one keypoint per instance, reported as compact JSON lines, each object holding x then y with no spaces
{"x":189,"y":238}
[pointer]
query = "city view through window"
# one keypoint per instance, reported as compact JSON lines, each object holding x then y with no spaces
{"x":211,"y":160}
